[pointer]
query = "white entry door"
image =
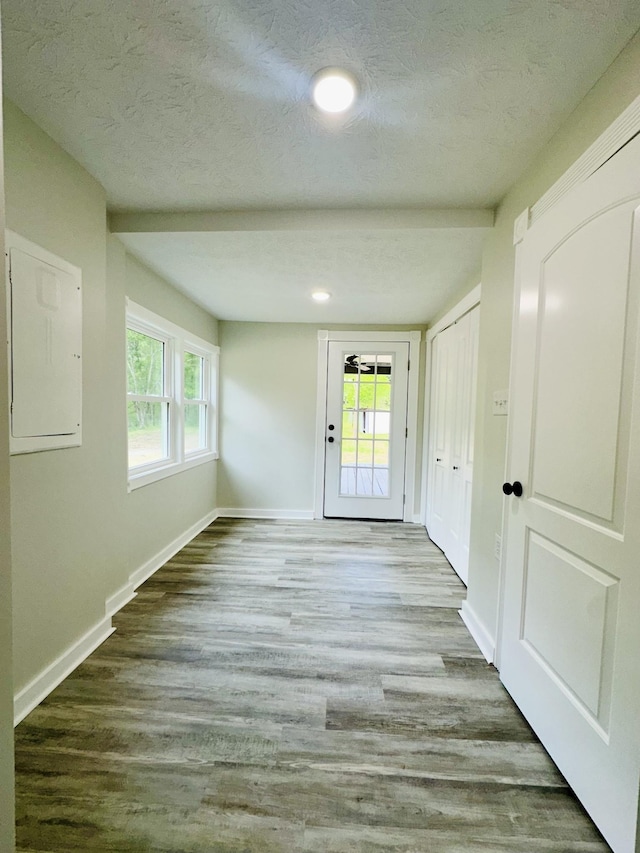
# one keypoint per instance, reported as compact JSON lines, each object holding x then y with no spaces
{"x":570,"y":648}
{"x":365,"y":429}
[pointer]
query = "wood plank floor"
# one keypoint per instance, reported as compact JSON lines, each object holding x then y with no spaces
{"x":292,"y":688}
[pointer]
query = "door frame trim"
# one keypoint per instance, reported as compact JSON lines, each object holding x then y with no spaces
{"x":414,"y":339}
{"x":621,"y":130}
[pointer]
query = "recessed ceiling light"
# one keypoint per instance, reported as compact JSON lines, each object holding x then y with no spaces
{"x":333,"y":90}
{"x":320,"y":295}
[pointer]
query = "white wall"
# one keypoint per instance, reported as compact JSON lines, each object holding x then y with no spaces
{"x":77,"y":533}
{"x":609,"y":97}
{"x":268,"y":405}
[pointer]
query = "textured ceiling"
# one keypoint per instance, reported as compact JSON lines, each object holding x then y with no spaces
{"x":203,"y":104}
{"x":411,"y":271}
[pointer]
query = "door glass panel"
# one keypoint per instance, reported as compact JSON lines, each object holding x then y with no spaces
{"x":349,"y":424}
{"x":349,"y":451}
{"x":365,"y":453}
{"x":366,"y":425}
{"x":381,"y":454}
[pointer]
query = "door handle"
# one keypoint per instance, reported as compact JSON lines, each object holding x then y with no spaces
{"x":331,"y":426}
{"x":438,"y":458}
{"x":331,"y":439}
{"x":514,"y":488}
{"x":456,"y":467}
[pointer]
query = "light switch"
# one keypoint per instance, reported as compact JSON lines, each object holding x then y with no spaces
{"x":501,"y":403}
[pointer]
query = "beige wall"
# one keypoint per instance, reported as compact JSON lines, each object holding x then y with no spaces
{"x":148,"y":289}
{"x":611,"y":95}
{"x":268,"y":415}
{"x":77,"y":533}
{"x":60,"y":543}
{"x":268,"y":421}
{"x":160,"y":512}
{"x":6,"y":675}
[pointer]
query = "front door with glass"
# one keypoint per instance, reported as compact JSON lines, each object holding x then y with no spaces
{"x":365,"y":429}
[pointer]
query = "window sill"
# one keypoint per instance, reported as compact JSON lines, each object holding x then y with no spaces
{"x":168,"y":469}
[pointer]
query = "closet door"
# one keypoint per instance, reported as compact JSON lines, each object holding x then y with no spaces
{"x":439,"y":430}
{"x":454,"y":368}
{"x":461,"y":431}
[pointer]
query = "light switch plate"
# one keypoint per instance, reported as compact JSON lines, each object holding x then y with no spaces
{"x":501,"y":403}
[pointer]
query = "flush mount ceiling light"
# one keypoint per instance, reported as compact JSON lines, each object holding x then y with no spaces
{"x":333,"y":90}
{"x":320,"y":295}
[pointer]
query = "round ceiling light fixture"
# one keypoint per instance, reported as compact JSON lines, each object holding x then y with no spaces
{"x":320,"y":295}
{"x":333,"y":90}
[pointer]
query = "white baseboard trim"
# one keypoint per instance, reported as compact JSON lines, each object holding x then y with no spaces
{"x":287,"y":514}
{"x":482,"y":637}
{"x":118,"y":600}
{"x":39,"y":688}
{"x":151,"y":566}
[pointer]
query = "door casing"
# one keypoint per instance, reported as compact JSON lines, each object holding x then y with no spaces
{"x":414,"y":339}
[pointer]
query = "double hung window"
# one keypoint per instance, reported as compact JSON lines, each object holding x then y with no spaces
{"x":172,"y":379}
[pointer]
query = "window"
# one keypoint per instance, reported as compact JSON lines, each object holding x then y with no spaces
{"x":171,"y":397}
{"x":195,"y":402}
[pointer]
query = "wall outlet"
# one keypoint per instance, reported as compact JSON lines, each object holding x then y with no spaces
{"x":501,"y":403}
{"x":497,"y":547}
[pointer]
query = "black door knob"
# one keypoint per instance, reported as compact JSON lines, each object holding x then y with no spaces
{"x":331,"y":426}
{"x":514,"y":488}
{"x":438,"y":458}
{"x":456,"y":467}
{"x":331,"y":439}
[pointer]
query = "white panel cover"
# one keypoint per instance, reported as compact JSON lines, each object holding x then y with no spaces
{"x":46,"y":337}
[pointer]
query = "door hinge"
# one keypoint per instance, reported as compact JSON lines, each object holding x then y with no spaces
{"x":406,"y":432}
{"x":408,"y":364}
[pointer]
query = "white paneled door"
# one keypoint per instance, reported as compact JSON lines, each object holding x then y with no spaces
{"x":365,"y":429}
{"x":570,"y":647}
{"x":454,"y":358}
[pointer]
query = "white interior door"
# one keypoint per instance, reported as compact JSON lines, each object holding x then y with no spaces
{"x":365,"y":429}
{"x":570,"y":648}
{"x":454,"y":356}
{"x":440,"y":420}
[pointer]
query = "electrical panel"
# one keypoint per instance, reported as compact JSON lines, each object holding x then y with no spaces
{"x":45,"y":348}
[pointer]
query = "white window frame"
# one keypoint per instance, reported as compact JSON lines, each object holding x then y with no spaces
{"x":176,"y":340}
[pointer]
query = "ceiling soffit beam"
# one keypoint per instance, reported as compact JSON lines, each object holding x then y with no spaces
{"x":389,"y":219}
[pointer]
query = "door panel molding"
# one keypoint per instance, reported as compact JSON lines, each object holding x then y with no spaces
{"x":569,"y":589}
{"x":414,"y":339}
